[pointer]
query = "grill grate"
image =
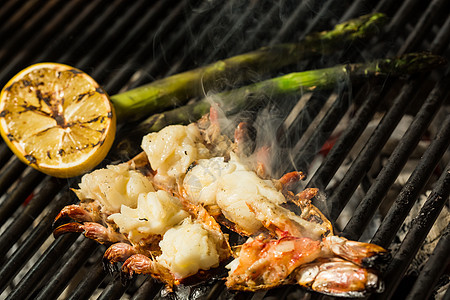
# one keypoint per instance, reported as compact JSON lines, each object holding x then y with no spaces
{"x":124,"y":44}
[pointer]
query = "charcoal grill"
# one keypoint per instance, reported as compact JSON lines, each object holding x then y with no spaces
{"x":124,"y":44}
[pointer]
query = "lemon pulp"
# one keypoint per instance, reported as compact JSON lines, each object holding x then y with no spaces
{"x":57,"y":119}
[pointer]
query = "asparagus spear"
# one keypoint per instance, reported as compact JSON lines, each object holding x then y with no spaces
{"x":293,"y":83}
{"x":178,"y":89}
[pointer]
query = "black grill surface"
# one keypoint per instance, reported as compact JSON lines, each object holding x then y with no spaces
{"x":124,"y":44}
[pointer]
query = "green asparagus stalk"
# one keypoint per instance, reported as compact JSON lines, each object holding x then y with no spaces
{"x":176,"y":90}
{"x":292,"y":83}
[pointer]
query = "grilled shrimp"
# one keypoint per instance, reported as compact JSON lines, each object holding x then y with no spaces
{"x":302,"y":249}
{"x":334,"y":265}
{"x":263,"y":263}
{"x":144,"y":231}
{"x":229,"y":186}
{"x":101,"y":194}
{"x":239,"y":198}
{"x":161,"y":213}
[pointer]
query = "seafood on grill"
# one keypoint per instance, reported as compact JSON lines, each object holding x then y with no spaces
{"x":284,"y":247}
{"x":163,"y":214}
{"x":328,"y":264}
{"x":154,"y":232}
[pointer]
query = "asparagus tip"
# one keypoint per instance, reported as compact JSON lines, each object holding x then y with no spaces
{"x":359,"y":28}
{"x":413,"y":62}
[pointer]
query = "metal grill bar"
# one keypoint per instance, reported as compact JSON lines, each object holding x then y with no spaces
{"x":322,"y":133}
{"x":359,"y":7}
{"x":292,"y":131}
{"x":23,"y":189}
{"x":15,"y":42}
{"x":202,"y":38}
{"x":397,"y":160}
{"x":405,"y":200}
{"x":373,"y":146}
{"x":148,"y":290}
{"x":113,"y":290}
{"x":119,"y":28}
{"x":247,"y":44}
{"x":61,"y":40}
{"x":64,"y":274}
{"x":442,"y":38}
{"x":336,"y":156}
{"x":124,"y":77}
{"x":174,"y":43}
{"x":401,"y":16}
{"x":14,"y":13}
{"x":30,"y":212}
{"x":326,"y":10}
{"x":9,"y":174}
{"x":385,"y":5}
{"x":419,"y":230}
{"x":289,"y":29}
{"x":41,"y":38}
{"x":94,"y":30}
{"x":5,"y":153}
{"x":33,"y":241}
{"x":132,"y":37}
{"x":426,"y":21}
{"x":429,"y":276}
{"x":86,"y":287}
{"x":41,"y":269}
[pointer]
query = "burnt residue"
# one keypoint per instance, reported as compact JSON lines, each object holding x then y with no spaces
{"x":315,"y":218}
{"x":100,"y":90}
{"x":81,"y":96}
{"x":96,"y":119}
{"x":60,"y":121}
{"x":31,"y":159}
{"x":44,"y":98}
{"x":29,"y":107}
{"x":26,"y":82}
{"x":75,"y":71}
{"x":11,"y":137}
{"x":377,"y":261}
{"x":191,"y":166}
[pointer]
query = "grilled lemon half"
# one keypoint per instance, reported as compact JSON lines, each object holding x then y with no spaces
{"x":57,"y":119}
